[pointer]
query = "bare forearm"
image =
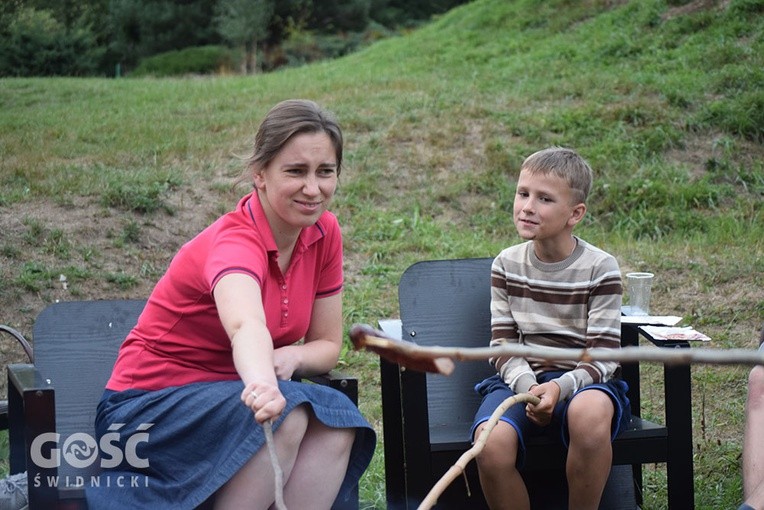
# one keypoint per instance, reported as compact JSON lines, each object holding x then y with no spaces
{"x":315,"y":357}
{"x":253,"y":354}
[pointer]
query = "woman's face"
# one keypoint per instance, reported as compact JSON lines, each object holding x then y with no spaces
{"x":297,"y":185}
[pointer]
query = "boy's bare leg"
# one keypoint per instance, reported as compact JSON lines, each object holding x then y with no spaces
{"x":590,"y":453}
{"x":753,"y":441}
{"x":502,"y":484}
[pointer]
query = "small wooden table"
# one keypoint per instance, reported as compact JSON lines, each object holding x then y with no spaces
{"x":678,"y":391}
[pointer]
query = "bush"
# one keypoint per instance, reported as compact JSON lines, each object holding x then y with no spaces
{"x":305,"y":46}
{"x":34,"y":43}
{"x":197,"y":60}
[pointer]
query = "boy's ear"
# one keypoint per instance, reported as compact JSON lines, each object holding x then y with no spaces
{"x":577,"y":214}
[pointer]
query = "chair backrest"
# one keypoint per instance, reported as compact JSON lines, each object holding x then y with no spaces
{"x":447,"y":303}
{"x":75,"y":347}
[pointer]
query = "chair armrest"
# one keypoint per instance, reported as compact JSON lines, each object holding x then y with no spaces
{"x":339,"y":381}
{"x":24,"y":377}
{"x":392,"y":328}
{"x":31,"y":413}
{"x":392,"y":422}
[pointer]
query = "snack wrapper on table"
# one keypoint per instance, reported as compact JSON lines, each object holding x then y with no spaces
{"x":675,"y":333}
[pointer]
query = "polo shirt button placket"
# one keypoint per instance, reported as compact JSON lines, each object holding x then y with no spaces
{"x":284,"y":303}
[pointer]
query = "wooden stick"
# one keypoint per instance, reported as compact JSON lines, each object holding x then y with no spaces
{"x":278,"y":474}
{"x":460,"y":465}
{"x":406,"y":354}
{"x":423,"y":358}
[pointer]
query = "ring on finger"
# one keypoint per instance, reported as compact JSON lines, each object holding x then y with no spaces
{"x":254,"y":395}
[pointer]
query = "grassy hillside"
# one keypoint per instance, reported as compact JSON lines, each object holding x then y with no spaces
{"x":102,"y":180}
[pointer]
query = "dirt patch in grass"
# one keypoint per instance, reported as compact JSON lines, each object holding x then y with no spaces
{"x":695,"y":6}
{"x":102,"y":253}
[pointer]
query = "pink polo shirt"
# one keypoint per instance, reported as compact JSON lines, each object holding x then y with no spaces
{"x":179,"y":338}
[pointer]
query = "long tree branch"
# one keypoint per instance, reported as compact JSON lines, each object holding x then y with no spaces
{"x":461,"y":464}
{"x":440,"y":359}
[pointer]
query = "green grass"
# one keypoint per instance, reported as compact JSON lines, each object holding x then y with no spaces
{"x":4,"y":452}
{"x":102,"y":180}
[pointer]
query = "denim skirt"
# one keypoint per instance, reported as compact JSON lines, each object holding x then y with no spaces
{"x":179,"y":445}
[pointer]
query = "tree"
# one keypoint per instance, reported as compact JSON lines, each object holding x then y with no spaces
{"x":69,"y":12}
{"x":244,"y":23}
{"x":142,"y":28}
{"x":332,"y":16}
{"x":34,"y":43}
{"x":393,"y":13}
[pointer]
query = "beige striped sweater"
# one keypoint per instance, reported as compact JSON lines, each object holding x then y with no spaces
{"x":572,"y":303}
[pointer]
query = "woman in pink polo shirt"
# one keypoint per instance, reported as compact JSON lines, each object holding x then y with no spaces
{"x":252,"y":300}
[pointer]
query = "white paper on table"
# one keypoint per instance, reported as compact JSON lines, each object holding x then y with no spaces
{"x":669,"y":333}
{"x":665,"y":320}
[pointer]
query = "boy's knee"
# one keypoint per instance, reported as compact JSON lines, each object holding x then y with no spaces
{"x":755,"y":399}
{"x":756,"y":381}
{"x":500,"y":451}
{"x":590,"y":408}
{"x":495,"y":461}
{"x":591,"y":418}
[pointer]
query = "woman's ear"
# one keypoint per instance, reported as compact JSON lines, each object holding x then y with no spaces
{"x":258,"y":179}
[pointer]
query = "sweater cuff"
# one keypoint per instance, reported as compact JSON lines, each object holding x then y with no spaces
{"x":567,"y":385}
{"x":524,"y":383}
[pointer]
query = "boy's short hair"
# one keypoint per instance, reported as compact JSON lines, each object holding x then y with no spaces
{"x":566,"y":164}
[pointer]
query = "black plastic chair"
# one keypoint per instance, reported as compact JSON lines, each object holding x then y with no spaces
{"x":427,"y":417}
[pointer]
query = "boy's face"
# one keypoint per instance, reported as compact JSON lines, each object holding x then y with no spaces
{"x":544,"y":208}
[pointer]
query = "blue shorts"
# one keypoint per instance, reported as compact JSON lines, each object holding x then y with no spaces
{"x":494,"y":391}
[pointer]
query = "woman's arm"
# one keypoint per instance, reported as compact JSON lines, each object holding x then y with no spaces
{"x":323,"y":341}
{"x":240,"y":307}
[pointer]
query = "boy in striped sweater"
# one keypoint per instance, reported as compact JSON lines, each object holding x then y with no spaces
{"x":554,"y":290}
